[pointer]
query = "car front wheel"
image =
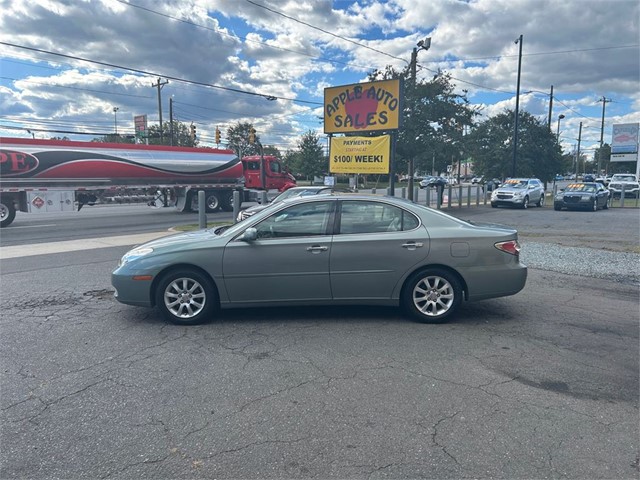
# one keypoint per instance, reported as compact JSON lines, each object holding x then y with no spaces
{"x":525,"y":202}
{"x":432,"y":295}
{"x":595,"y":205}
{"x":186,"y":297}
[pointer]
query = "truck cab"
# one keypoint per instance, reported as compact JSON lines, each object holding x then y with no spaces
{"x":266,"y":173}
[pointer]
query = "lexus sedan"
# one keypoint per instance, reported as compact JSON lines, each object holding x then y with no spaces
{"x":585,"y":196}
{"x":334,"y":249}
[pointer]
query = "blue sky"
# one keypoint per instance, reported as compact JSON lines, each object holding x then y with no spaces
{"x":292,"y":50}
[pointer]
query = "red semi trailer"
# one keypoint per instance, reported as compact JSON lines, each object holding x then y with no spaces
{"x":53,"y":175}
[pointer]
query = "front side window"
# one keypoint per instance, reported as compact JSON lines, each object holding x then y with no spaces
{"x":304,"y":220}
{"x":275,"y":167}
{"x":374,"y":217}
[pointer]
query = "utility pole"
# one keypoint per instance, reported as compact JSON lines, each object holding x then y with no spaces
{"x":424,"y":45}
{"x":578,"y":151}
{"x":171,"y":121}
{"x":517,"y":115}
{"x":550,"y":107}
{"x":604,"y":102}
{"x":159,"y":85}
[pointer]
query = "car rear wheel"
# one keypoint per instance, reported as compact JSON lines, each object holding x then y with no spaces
{"x":432,"y":295}
{"x":186,"y":297}
{"x":541,"y":201}
{"x":606,"y":204}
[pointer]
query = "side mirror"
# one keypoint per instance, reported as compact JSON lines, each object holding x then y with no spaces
{"x":249,"y":235}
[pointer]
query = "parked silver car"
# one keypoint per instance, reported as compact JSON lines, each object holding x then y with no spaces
{"x":331,"y":249}
{"x":289,"y":193}
{"x":518,"y":192}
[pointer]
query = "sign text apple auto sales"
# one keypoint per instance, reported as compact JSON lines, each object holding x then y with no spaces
{"x":362,"y":107}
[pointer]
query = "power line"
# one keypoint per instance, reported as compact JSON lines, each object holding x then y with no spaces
{"x":144,"y":72}
{"x":325,"y":31}
{"x":220,"y":32}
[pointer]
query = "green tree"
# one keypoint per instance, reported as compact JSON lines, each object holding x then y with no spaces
{"x":434,"y":121}
{"x":491,"y":146}
{"x":114,"y":138}
{"x":238,"y":140}
{"x":311,"y":159}
{"x":181,"y":135}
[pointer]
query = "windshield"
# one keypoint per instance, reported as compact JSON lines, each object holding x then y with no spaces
{"x":580,"y":187}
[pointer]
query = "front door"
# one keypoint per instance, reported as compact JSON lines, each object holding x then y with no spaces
{"x":289,"y":261}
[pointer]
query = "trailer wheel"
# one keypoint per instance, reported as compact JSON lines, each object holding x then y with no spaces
{"x":212,"y":202}
{"x":227,"y":201}
{"x":7,"y":212}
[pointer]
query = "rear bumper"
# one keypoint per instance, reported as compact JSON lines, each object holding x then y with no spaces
{"x":502,"y":282}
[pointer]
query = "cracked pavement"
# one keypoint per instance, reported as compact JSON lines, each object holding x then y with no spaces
{"x":543,"y":384}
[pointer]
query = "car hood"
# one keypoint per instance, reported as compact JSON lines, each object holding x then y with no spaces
{"x":180,"y":240}
{"x":509,"y":189}
{"x":256,"y":208}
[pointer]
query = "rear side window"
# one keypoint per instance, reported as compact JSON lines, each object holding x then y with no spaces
{"x":374,"y":217}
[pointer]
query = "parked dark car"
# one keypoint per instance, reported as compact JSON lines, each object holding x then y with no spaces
{"x":588,"y":178}
{"x":584,"y":196}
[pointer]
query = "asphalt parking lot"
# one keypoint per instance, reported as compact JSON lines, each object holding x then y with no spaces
{"x":543,"y":384}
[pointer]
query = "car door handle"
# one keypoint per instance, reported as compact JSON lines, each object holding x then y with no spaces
{"x":317,"y":249}
{"x":412,"y":245}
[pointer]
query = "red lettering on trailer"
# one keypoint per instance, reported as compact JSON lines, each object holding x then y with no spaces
{"x":16,"y":163}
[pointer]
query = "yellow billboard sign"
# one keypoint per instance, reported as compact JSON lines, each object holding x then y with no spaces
{"x":363,"y":107}
{"x":360,"y":154}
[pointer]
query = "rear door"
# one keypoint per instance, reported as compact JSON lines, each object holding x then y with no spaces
{"x":375,"y":245}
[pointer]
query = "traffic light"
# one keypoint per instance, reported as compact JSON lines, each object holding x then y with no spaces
{"x":192,"y":134}
{"x":252,"y":135}
{"x":217,"y":135}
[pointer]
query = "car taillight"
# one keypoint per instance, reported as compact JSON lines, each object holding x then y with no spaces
{"x":511,"y":246}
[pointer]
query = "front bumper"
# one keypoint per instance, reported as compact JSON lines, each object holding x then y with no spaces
{"x":130,"y":291}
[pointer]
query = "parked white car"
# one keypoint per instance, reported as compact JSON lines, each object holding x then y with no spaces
{"x":626,"y":181}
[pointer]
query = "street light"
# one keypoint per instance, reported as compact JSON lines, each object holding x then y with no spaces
{"x":515,"y":132}
{"x":424,"y":44}
{"x":560,"y":117}
{"x":115,"y":118}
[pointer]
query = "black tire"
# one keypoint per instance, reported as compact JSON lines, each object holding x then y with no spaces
{"x":594,"y":207}
{"x":557,"y":207}
{"x":541,"y":201}
{"x":7,"y":212}
{"x":525,"y":202}
{"x":494,"y":205}
{"x":606,"y":204}
{"x":227,"y":202}
{"x":212,"y":202}
{"x":186,"y":297}
{"x":431,"y":295}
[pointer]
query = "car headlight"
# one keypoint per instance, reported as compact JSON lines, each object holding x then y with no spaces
{"x":585,"y":198}
{"x":135,"y":254}
{"x":518,"y":194}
